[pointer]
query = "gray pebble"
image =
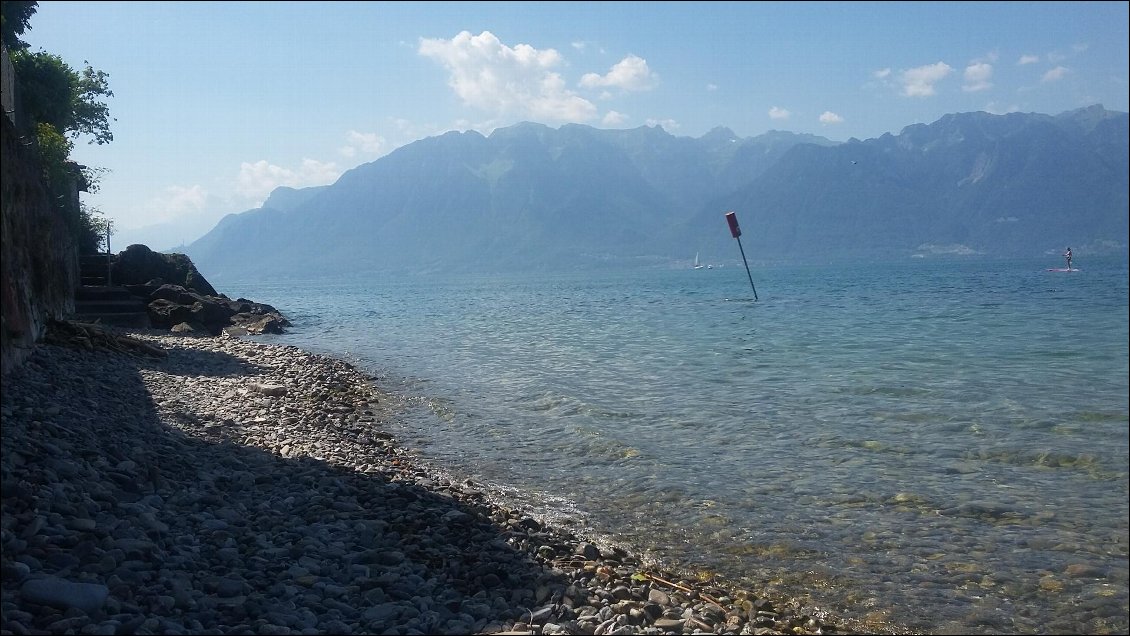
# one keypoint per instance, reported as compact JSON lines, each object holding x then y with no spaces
{"x":242,"y":487}
{"x":64,"y":594}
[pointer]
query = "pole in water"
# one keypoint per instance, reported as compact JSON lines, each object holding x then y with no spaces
{"x":736,"y":232}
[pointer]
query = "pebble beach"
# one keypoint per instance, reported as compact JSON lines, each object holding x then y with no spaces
{"x":177,"y":484}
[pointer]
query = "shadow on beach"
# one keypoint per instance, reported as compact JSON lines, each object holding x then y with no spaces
{"x":236,"y":537}
{"x":184,"y":526}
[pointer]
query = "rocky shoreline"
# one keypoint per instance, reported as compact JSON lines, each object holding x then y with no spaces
{"x":162,"y":484}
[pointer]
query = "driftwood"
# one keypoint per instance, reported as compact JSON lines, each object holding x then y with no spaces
{"x":578,"y":562}
{"x":706,"y":597}
{"x":93,"y":336}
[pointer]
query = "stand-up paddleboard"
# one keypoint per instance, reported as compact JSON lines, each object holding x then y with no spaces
{"x":1064,"y":269}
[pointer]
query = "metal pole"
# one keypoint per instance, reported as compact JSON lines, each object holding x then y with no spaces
{"x":747,"y":269}
{"x":736,"y":232}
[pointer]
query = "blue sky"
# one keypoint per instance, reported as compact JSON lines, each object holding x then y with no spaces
{"x":218,"y":103}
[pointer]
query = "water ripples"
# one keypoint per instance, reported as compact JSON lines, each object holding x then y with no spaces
{"x":941,"y":443}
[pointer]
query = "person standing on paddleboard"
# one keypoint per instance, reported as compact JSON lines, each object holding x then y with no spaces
{"x":1067,"y":255}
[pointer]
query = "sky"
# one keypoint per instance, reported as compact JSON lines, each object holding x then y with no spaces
{"x":215,"y":104}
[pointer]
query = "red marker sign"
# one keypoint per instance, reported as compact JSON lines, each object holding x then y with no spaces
{"x":732,"y":219}
{"x":736,"y":231}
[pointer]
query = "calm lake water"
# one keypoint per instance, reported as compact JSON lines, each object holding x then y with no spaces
{"x":938,"y":445}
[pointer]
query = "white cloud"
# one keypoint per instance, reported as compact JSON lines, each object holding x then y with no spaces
{"x":977,"y":77}
{"x":828,"y":117}
{"x":368,"y":143}
{"x":996,"y":109}
{"x":500,"y":80}
{"x":882,"y":73}
{"x":629,"y":74}
{"x":669,"y":125}
{"x":919,"y":82}
{"x":711,"y":87}
{"x":582,"y":46}
{"x":257,"y":180}
{"x":778,"y":113}
{"x":1027,"y":59}
{"x":176,"y":202}
{"x":613,"y":118}
{"x":1055,"y":74}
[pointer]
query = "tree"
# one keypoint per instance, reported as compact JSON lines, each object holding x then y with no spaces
{"x":95,"y":231}
{"x":14,"y":21}
{"x":54,"y":93}
{"x":61,"y":104}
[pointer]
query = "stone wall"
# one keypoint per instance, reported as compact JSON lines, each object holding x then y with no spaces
{"x":38,"y":257}
{"x":7,"y":85}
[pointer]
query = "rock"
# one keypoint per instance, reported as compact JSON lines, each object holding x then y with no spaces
{"x":349,"y":536}
{"x":268,"y":389}
{"x":670,"y":625}
{"x":1084,"y":571}
{"x":138,"y":265}
{"x":177,"y":295}
{"x":257,"y":324}
{"x":65,"y":594}
{"x":164,"y":313}
{"x":588,"y":551}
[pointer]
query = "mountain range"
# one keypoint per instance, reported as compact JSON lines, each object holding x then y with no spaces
{"x":533,"y":197}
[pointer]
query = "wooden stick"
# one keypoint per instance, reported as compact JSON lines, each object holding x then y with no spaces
{"x":683,"y":588}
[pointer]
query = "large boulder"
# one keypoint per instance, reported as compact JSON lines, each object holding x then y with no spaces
{"x":139,"y":265}
{"x":164,"y":314}
{"x":171,"y":305}
{"x":178,"y":298}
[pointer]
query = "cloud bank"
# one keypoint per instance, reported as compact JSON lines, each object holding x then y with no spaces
{"x":508,"y":81}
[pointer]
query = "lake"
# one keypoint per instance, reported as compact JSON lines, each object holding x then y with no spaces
{"x":937,"y":444}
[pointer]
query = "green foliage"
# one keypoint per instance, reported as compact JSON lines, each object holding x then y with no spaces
{"x":54,"y":153}
{"x":91,"y":116}
{"x":95,"y":231}
{"x":54,"y":93}
{"x":92,"y":177}
{"x":61,"y":104}
{"x":14,"y":21}
{"x":54,"y":150}
{"x":89,"y":226}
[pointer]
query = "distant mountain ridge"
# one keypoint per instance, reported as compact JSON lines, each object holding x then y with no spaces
{"x":532,"y":197}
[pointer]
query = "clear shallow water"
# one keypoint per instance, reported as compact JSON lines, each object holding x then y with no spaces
{"x":941,"y":445}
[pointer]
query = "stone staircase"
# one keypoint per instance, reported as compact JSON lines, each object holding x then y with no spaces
{"x":99,"y":301}
{"x":94,"y":269}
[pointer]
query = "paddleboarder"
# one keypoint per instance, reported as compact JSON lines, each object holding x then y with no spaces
{"x":1067,"y":255}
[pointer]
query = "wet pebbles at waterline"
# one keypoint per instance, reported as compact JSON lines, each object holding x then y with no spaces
{"x":232,"y":486}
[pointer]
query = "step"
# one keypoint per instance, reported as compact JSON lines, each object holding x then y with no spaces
{"x":102,"y":292}
{"x":133,"y":319}
{"x":110,"y":306}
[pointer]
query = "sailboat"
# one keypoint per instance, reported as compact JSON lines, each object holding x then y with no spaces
{"x":696,"y":264}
